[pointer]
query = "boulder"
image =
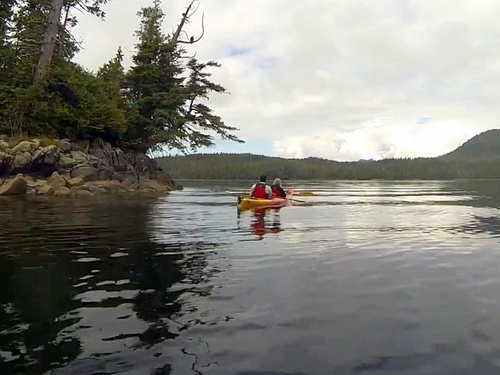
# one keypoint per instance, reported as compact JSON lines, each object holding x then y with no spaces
{"x":5,"y":162}
{"x":56,"y":181}
{"x":21,"y":162}
{"x":62,"y":191}
{"x":36,"y":143}
{"x":17,"y":186}
{"x":79,"y":193}
{"x":46,"y":189}
{"x":65,"y":145}
{"x":85,"y":172}
{"x":117,"y":177}
{"x":105,"y":173}
{"x":80,"y":157}
{"x":46,"y":155}
{"x":154,"y":185}
{"x":127,"y":182}
{"x":77,"y":181}
{"x":4,"y":146}
{"x":96,"y":190}
{"x":21,"y":147}
{"x":30,"y":181}
{"x":67,"y":162}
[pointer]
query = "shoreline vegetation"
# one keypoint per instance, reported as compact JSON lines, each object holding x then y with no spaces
{"x":478,"y":158}
{"x":70,"y":131}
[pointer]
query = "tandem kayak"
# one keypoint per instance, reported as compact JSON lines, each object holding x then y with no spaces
{"x":249,"y":203}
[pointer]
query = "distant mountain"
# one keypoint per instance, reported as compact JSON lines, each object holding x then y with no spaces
{"x":484,"y":146}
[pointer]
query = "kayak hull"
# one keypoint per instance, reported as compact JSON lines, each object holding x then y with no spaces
{"x":249,"y":203}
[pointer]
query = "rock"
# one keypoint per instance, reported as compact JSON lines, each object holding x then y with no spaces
{"x":154,"y":185}
{"x":85,"y":172}
{"x":30,"y":181}
{"x":4,"y":146}
{"x":163,"y":178}
{"x":56,"y":181}
{"x":65,"y":145}
{"x":46,"y":189}
{"x":24,"y":146}
{"x":5,"y":162}
{"x":67,"y":162}
{"x":36,"y":143}
{"x":77,"y":181}
{"x":17,"y":186}
{"x":79,"y":156}
{"x":105,"y":173}
{"x":127,"y":182}
{"x":63,"y":192}
{"x":82,"y":193}
{"x":148,"y":190}
{"x":117,"y":177}
{"x":21,"y":162}
{"x":46,"y":155}
{"x":96,"y":190}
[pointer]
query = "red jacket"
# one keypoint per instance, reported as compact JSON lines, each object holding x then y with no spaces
{"x":260,"y":191}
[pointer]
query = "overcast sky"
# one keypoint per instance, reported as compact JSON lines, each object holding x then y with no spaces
{"x":343,"y":79}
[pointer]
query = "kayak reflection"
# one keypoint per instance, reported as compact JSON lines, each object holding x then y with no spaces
{"x":265,"y":220}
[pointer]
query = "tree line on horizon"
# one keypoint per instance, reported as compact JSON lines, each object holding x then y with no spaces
{"x":159,"y":102}
{"x":250,"y":167}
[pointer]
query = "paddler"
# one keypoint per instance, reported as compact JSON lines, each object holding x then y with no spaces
{"x":277,"y":189}
{"x":261,"y":189}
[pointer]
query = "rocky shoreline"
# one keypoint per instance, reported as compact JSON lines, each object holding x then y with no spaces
{"x":51,"y":167}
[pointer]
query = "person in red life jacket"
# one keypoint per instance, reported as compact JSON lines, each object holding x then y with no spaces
{"x":261,"y":189}
{"x":277,"y":189}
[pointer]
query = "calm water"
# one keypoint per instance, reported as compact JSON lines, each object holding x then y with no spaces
{"x":363,"y":278}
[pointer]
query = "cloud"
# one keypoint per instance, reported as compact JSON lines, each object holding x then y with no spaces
{"x":383,"y":139}
{"x":313,"y":78}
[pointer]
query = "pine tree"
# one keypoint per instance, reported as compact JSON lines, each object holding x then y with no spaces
{"x":166,"y":106}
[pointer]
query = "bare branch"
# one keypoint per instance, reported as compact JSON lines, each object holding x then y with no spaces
{"x":185,"y":16}
{"x":192,"y":40}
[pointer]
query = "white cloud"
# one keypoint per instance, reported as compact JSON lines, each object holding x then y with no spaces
{"x":316,"y":76}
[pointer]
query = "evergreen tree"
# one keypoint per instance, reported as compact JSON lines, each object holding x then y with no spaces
{"x":166,"y":109}
{"x":154,"y":84}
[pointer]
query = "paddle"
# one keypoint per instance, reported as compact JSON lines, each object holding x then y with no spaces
{"x":246,"y":195}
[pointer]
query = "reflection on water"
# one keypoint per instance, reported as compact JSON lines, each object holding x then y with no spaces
{"x":264,"y":221}
{"x":363,"y":278}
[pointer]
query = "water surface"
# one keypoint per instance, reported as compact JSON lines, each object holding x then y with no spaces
{"x":363,"y":278}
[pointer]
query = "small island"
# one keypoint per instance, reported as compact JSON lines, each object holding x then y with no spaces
{"x":67,"y":131}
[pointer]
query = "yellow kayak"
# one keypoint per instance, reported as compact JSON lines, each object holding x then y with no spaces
{"x":249,"y":203}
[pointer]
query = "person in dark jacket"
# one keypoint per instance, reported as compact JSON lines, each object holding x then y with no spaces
{"x":277,"y":189}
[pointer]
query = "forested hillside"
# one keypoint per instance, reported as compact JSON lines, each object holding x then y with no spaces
{"x":159,"y":102}
{"x":468,"y":161}
{"x":484,"y":146}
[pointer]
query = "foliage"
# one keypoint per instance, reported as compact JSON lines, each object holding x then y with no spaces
{"x":159,"y":102}
{"x":44,"y":141}
{"x":166,"y":107}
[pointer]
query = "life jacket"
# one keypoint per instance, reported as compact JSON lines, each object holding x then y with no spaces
{"x":260,"y":190}
{"x":276,"y":191}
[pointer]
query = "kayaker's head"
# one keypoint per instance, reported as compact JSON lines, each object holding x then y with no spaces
{"x":263,"y":178}
{"x":277,"y":182}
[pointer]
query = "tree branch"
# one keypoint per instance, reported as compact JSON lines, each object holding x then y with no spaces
{"x":192,"y":40}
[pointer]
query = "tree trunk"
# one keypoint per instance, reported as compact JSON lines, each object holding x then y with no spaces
{"x":49,"y":40}
{"x":185,"y":17}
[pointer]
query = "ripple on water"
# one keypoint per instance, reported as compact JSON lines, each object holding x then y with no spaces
{"x":372,"y":278}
